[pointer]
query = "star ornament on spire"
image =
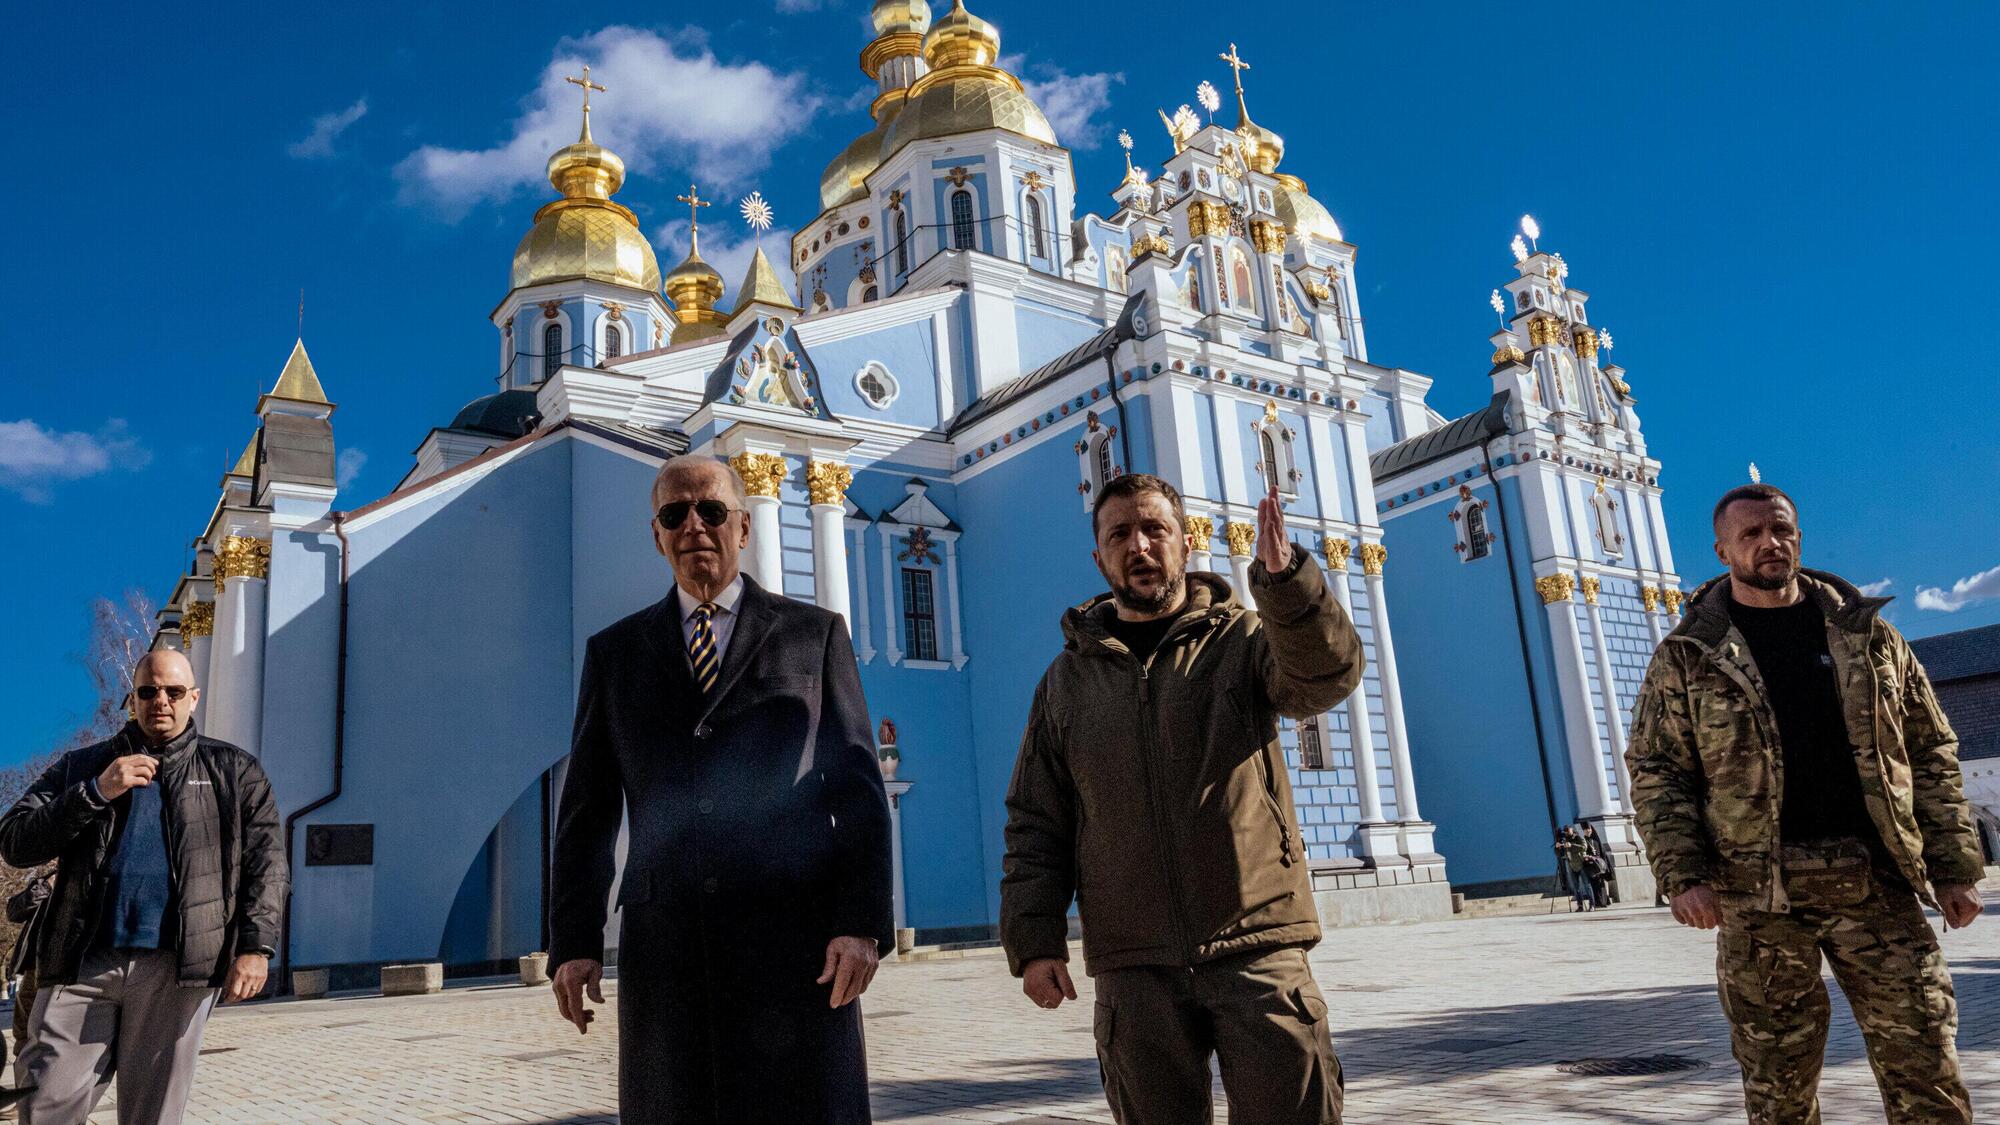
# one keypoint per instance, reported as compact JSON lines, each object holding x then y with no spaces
{"x":1755,"y":476}
{"x":1520,"y":249}
{"x":1532,"y":229}
{"x":1125,"y":140}
{"x":1208,"y":96}
{"x":756,"y":212}
{"x":1499,"y":307}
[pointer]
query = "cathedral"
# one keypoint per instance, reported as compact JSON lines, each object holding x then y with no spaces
{"x":921,"y":427}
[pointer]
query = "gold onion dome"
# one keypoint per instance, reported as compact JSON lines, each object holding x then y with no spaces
{"x":895,"y":16}
{"x":584,"y":234}
{"x":694,"y":284}
{"x":1262,"y":148}
{"x":964,"y":91}
{"x":1301,"y":212}
{"x":845,"y":178}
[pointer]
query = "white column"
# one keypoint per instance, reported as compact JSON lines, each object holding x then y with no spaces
{"x":1651,"y":597}
{"x":1586,"y":758}
{"x":1373,"y":555}
{"x":242,"y":566}
{"x":827,"y":483}
{"x":897,"y":790}
{"x":1607,"y":689}
{"x":1202,"y":529}
{"x":892,"y":625}
{"x":761,"y":474}
{"x":1360,"y":726}
{"x":864,"y":631}
{"x":951,"y":598}
{"x":1242,"y":543}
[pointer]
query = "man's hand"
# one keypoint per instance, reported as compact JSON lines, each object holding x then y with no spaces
{"x":1960,"y":904}
{"x":571,"y":980}
{"x":1046,"y":982}
{"x":247,"y":973}
{"x":1273,"y":548}
{"x":133,"y":771}
{"x":1697,"y":907}
{"x":850,"y":964}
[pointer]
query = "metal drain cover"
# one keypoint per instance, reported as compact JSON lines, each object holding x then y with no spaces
{"x":1627,"y":1066}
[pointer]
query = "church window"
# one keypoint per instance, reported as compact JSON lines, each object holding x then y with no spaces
{"x":614,"y":342}
{"x":962,"y":234}
{"x":878,"y":388}
{"x":1312,"y":748}
{"x":869,"y":294}
{"x":1103,"y":459}
{"x":552,"y":350}
{"x":1604,"y":512}
{"x":902,"y":242}
{"x":1269,"y":447}
{"x":1038,"y":233}
{"x":1478,"y":544}
{"x":919,"y":615}
{"x":1239,"y":268}
{"x":1276,"y":460}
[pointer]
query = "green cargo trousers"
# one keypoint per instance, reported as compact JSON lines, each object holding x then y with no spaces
{"x":1886,"y":958}
{"x":1260,"y":1012}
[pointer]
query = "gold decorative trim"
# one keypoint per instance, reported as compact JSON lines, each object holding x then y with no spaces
{"x":1544,"y":330}
{"x":1150,"y":244}
{"x":1373,"y":555}
{"x":1205,"y":218}
{"x":242,"y":556}
{"x":1586,"y":343}
{"x":1558,"y":587}
{"x":1202,"y":528}
{"x":1591,"y":586}
{"x":1337,"y":548}
{"x":1673,"y":600}
{"x":761,"y":473}
{"x":198,"y":620}
{"x":1242,"y":538}
{"x":1508,"y":353}
{"x":827,"y":481}
{"x":1268,"y":237}
{"x":1650,"y":595}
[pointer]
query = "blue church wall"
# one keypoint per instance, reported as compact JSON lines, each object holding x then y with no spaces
{"x":908,"y":351}
{"x":1474,"y":747}
{"x":1588,"y":637}
{"x":1382,"y":428}
{"x":1043,"y":333}
{"x":511,"y":862}
{"x":795,"y":531}
{"x":300,"y":667}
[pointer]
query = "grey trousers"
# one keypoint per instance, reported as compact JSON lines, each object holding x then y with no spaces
{"x":127,"y":1016}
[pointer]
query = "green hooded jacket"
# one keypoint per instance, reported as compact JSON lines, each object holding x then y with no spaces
{"x":1707,"y":775}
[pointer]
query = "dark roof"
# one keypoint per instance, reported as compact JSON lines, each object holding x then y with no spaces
{"x":646,"y":439}
{"x":1091,"y":350}
{"x":1434,"y":445}
{"x":1973,"y":706}
{"x":1954,"y":656}
{"x":509,"y":414}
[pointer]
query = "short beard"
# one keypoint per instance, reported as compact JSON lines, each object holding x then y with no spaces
{"x":1756,"y":581}
{"x":1158,"y":602}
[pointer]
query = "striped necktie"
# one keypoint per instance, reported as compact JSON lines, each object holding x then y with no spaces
{"x":701,"y":650}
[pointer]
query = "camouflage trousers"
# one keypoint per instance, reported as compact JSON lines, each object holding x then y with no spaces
{"x":1886,"y":958}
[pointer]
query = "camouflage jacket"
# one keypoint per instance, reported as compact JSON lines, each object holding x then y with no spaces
{"x":1706,"y":771}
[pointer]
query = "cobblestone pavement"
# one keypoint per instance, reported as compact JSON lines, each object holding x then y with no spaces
{"x":1458,"y":1022}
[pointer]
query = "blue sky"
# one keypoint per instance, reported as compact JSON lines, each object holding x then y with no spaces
{"x":1783,"y":212}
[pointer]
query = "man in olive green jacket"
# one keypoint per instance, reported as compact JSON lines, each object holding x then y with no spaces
{"x":1151,"y":788}
{"x":1796,"y":783}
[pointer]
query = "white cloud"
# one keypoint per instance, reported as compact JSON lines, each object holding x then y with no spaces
{"x":1069,"y":101}
{"x":348,"y":466}
{"x":669,"y":102}
{"x":1965,"y":591}
{"x":327,"y":128}
{"x":1878,"y":588}
{"x":729,"y":252}
{"x":32,"y":459}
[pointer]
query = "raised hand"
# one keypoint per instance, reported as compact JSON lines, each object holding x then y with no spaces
{"x":1274,"y":549}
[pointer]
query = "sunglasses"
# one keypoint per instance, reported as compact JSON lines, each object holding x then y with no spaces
{"x":712,"y":513}
{"x":147,"y":692}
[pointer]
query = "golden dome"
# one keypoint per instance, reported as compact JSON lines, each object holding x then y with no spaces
{"x":961,"y":39}
{"x":845,"y":177}
{"x":694,"y":284}
{"x":966,"y":105}
{"x":1262,"y":149}
{"x":893,"y":16}
{"x":1301,"y":212}
{"x":584,"y":234}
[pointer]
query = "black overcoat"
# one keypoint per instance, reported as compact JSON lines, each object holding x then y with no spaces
{"x":759,"y":831}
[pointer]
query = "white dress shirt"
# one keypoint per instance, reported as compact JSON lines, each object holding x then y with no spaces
{"x":722,"y":625}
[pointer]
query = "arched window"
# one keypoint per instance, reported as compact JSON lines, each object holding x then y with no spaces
{"x":1269,"y":448}
{"x":869,"y":294}
{"x":1038,"y":234}
{"x":552,"y":350}
{"x":902,"y":242}
{"x":962,"y":233}
{"x":1478,"y":544}
{"x":614,"y":342}
{"x":1104,"y":473}
{"x":1312,"y":749}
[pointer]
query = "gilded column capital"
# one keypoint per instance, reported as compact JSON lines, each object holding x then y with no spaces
{"x":1591,"y":586}
{"x":1242,"y":538}
{"x":1203,"y":530}
{"x":827,"y":481}
{"x":1673,"y":600}
{"x":761,"y":473}
{"x":1373,"y":555}
{"x":198,"y":620}
{"x":1557,"y":587}
{"x":1268,"y":237}
{"x":242,"y":556}
{"x":1336,"y":548}
{"x":1650,"y":595}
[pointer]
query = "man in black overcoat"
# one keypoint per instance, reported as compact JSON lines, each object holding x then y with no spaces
{"x":729,"y":722}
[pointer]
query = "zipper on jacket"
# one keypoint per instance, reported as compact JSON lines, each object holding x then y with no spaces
{"x":1161,"y":823}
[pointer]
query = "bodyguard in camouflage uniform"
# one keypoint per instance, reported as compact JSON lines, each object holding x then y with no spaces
{"x":1797,"y":784}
